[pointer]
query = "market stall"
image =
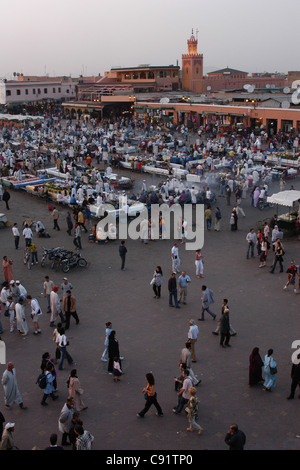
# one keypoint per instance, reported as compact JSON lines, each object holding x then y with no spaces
{"x":290,"y":199}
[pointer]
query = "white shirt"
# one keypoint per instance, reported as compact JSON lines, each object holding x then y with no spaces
{"x":35,"y":308}
{"x":174,"y":252}
{"x":15,"y":232}
{"x":193,"y":332}
{"x":27,"y":232}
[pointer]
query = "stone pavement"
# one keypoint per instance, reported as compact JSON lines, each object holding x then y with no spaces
{"x":151,"y":336}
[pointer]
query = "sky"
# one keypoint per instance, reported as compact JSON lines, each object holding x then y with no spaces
{"x":89,"y":37}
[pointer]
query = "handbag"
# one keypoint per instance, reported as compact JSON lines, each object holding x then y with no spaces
{"x":273,"y":370}
{"x":6,"y":313}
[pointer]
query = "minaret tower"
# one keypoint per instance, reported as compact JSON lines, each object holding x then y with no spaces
{"x":192,"y":67}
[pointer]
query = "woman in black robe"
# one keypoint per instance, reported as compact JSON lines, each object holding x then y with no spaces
{"x":113,"y":350}
{"x":255,"y":367}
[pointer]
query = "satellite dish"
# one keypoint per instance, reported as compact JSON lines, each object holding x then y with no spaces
{"x":286,"y":90}
{"x":273,"y":85}
{"x":164,"y":100}
{"x":251,"y":88}
{"x":268,"y":86}
{"x":285,"y":104}
{"x":208,"y":88}
{"x":246,"y":86}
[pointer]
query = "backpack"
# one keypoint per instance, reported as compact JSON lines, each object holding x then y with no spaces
{"x":42,"y":380}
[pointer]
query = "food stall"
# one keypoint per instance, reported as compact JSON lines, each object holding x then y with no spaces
{"x":290,"y":199}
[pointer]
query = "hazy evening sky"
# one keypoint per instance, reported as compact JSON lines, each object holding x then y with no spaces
{"x":72,"y":37}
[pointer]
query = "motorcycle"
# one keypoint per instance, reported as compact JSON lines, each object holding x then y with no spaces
{"x":71,"y":262}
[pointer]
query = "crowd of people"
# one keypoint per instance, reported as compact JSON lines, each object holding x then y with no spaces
{"x":228,"y":171}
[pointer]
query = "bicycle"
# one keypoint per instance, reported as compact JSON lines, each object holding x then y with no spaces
{"x":262,"y":204}
{"x":27,"y":257}
{"x":29,"y":223}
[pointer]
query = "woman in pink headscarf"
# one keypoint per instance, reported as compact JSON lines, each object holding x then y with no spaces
{"x":7,"y":269}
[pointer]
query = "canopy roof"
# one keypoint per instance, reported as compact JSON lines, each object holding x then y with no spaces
{"x":285,"y":198}
{"x":18,"y":117}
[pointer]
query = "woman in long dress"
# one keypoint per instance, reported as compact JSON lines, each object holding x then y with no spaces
{"x":255,"y":367}
{"x":76,"y":391}
{"x":270,"y":379}
{"x":7,"y":269}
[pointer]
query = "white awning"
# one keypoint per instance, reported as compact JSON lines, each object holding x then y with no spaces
{"x":285,"y":198}
{"x":19,"y":117}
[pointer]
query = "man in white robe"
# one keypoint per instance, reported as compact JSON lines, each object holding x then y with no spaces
{"x":10,"y":386}
{"x":22,"y":326}
{"x":55,"y":306}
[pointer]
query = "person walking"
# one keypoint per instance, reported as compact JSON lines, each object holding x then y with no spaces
{"x":278,"y":256}
{"x":117,"y":371}
{"x":55,"y":306}
{"x":55,"y":217}
{"x":207,"y":299}
{"x":62,"y":342}
{"x":150,"y":397}
{"x":108,"y":330}
{"x":6,"y":198}
{"x":255,"y":367}
{"x":251,"y":240}
{"x":192,"y":411}
{"x":263,"y":252}
{"x":208,"y":217}
{"x":113,"y":351}
{"x":186,"y":358}
{"x":80,"y":220}
{"x":225,"y":329}
{"x":295,"y":376}
{"x":193,"y":333}
{"x":48,"y":287}
{"x":84,"y":438}
{"x":233,"y":220}
{"x":35,"y":313}
{"x":69,"y":223}
{"x":235,"y":438}
{"x":172,"y":288}
{"x":7,"y":440}
{"x":183,"y":394}
{"x":157,"y":282}
{"x":50,"y":388}
{"x":175,"y":258}
{"x":10,"y":386}
{"x":16,"y":235}
{"x":199,"y":263}
{"x":227,"y":194}
{"x":218,"y":217}
{"x":122,"y":253}
{"x":217,"y":330}
{"x":77,"y":237}
{"x":70,"y":309}
{"x":292,"y":273}
{"x":10,"y":308}
{"x":183,"y":282}
{"x":75,"y":391}
{"x":65,"y":420}
{"x":270,"y":371}
{"x":22,"y":326}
